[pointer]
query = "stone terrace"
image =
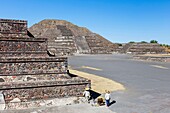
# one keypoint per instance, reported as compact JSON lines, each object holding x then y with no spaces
{"x":142,"y":48}
{"x":26,"y":70}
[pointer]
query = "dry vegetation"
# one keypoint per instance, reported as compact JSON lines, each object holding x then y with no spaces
{"x":100,"y":84}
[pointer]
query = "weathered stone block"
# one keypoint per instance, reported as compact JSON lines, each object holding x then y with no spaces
{"x":44,"y":89}
{"x":26,"y":66}
{"x":13,"y":28}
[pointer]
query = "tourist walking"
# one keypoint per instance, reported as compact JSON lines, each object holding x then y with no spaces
{"x":107,"y":98}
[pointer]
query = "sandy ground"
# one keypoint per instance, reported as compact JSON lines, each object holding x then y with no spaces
{"x":99,"y":84}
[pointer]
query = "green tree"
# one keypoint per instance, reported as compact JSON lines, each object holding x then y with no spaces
{"x":131,"y":42}
{"x":153,"y":41}
{"x":119,"y":44}
{"x":144,"y":42}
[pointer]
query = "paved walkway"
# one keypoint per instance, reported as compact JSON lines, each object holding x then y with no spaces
{"x":77,"y":108}
{"x":58,"y":105}
{"x":147,"y":83}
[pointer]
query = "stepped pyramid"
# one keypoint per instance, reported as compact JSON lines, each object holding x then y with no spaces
{"x":143,"y":48}
{"x":67,"y":38}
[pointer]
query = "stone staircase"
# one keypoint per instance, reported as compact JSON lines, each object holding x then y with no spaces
{"x":95,"y":45}
{"x":64,"y":30}
{"x":82,"y":45}
{"x":64,"y":44}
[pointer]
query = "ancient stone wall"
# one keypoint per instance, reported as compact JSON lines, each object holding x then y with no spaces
{"x":153,"y":58}
{"x":30,"y":66}
{"x":64,"y":30}
{"x":82,"y":45}
{"x":96,"y":45}
{"x":64,"y":45}
{"x":44,"y":89}
{"x":142,"y":48}
{"x":125,"y":48}
{"x":13,"y":28}
{"x":61,"y":41}
{"x":146,"y":48}
{"x":26,"y":70}
{"x":22,"y":47}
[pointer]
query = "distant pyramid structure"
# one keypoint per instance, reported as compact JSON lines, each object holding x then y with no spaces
{"x":143,"y":48}
{"x":66,"y":38}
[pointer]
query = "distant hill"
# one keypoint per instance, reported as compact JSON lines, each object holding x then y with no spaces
{"x":67,"y":38}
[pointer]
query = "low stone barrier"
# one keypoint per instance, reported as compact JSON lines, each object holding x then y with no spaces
{"x":153,"y":58}
{"x":26,"y":91}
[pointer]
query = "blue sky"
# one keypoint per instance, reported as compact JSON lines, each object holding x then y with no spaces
{"x":116,"y":20}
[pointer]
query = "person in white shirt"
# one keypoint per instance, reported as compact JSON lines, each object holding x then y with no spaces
{"x":107,"y":98}
{"x":86,"y":93}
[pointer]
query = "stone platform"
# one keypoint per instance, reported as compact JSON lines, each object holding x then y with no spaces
{"x":27,"y":72}
{"x":142,"y":48}
{"x":157,"y":58}
{"x":27,"y":91}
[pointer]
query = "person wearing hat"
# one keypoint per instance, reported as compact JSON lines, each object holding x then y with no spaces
{"x":86,"y":94}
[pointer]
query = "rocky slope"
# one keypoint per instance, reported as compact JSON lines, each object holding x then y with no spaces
{"x":67,"y":38}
